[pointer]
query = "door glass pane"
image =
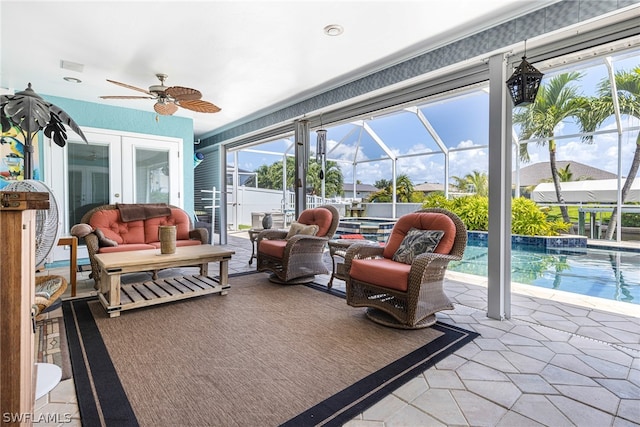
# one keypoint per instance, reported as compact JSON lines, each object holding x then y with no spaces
{"x":88,"y":179}
{"x":152,"y":176}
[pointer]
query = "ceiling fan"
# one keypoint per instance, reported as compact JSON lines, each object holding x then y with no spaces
{"x":169,"y":98}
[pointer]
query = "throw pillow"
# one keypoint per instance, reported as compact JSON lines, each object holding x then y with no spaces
{"x":81,"y":230}
{"x":103,"y":240}
{"x":417,"y":242}
{"x":298,"y":228}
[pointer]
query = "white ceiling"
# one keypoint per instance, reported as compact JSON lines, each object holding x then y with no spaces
{"x":246,"y":57}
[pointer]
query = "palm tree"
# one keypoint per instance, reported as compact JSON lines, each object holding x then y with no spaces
{"x":333,"y":181}
{"x":565,"y":175}
{"x":404,"y":188}
{"x":600,"y":108}
{"x":557,"y":100}
{"x":476,"y":179}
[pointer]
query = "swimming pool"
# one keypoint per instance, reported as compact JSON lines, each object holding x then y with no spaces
{"x":613,"y":275}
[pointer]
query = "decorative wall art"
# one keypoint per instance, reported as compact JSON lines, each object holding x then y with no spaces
{"x":12,"y":157}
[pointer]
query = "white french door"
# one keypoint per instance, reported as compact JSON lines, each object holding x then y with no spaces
{"x":112,"y":168}
{"x":153,"y":169}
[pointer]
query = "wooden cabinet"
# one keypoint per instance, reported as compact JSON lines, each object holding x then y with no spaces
{"x":17,"y":277}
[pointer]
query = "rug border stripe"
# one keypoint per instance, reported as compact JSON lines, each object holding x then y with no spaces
{"x":109,"y":390}
{"x":87,"y":407}
{"x":348,"y":403}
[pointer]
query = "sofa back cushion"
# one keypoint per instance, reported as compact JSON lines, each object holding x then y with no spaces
{"x":422,"y":221}
{"x":319,"y":216}
{"x":178,"y":217}
{"x":108,"y":221}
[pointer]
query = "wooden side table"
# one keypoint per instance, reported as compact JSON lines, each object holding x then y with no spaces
{"x":71,"y":241}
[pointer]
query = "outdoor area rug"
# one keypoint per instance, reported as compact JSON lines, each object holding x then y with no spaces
{"x":264,"y":354}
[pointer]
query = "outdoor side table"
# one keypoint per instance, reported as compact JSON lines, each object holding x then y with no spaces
{"x":338,"y":248}
{"x":253,"y":235}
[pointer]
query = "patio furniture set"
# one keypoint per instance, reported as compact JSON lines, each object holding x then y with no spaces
{"x":400,"y":282}
{"x":124,"y":239}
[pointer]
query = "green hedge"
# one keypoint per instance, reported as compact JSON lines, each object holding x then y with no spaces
{"x":527,"y":218}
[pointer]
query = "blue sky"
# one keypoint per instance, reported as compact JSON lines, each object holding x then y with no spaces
{"x":461,"y":122}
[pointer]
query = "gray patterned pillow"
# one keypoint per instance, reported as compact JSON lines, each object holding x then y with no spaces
{"x":417,"y":242}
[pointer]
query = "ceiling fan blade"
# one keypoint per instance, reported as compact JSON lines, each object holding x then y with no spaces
{"x":127,"y":97}
{"x":181,"y":93}
{"x":165,"y":109}
{"x":199,"y":106}
{"x":130,"y":87}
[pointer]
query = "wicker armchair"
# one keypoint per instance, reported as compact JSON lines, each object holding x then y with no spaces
{"x":299,"y":258}
{"x":405,"y":295}
{"x":49,"y":289}
{"x":93,"y":246}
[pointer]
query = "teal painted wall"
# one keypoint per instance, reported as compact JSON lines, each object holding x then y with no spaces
{"x":144,"y":122}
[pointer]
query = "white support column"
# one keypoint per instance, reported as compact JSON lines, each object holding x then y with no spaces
{"x":499,"y":250}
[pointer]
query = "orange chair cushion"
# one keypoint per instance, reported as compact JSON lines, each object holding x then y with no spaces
{"x":319,"y":216}
{"x":274,"y":248}
{"x":108,"y":221}
{"x":422,"y":221}
{"x":178,"y":217}
{"x":382,"y":272}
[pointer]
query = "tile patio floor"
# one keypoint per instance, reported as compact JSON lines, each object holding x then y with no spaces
{"x":561,"y":360}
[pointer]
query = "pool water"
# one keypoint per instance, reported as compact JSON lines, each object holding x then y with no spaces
{"x":613,"y":275}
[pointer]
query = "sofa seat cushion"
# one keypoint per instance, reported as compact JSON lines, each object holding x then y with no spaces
{"x":125,"y":247}
{"x":178,"y":217}
{"x":178,"y":243}
{"x":381,"y":272}
{"x":274,"y":248}
{"x":108,"y":221}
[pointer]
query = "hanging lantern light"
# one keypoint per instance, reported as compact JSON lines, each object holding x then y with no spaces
{"x":524,"y":83}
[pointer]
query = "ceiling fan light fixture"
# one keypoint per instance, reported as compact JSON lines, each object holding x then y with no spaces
{"x":165,"y":108}
{"x":168,"y":98}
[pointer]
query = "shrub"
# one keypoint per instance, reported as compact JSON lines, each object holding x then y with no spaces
{"x":527,"y":218}
{"x":630,"y":219}
{"x":473,"y":211}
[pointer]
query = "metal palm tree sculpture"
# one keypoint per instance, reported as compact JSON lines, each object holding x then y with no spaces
{"x":29,"y":112}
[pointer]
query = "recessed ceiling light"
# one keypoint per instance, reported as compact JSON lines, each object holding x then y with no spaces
{"x":333,"y":30}
{"x":72,"y":80}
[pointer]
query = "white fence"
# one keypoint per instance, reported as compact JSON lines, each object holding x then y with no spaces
{"x":249,"y":200}
{"x":242,"y":206}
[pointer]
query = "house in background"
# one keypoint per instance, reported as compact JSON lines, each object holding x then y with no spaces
{"x":530,"y":176}
{"x":363,"y":191}
{"x":429,"y":187}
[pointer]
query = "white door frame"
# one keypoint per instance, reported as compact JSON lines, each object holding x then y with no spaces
{"x":121,"y":146}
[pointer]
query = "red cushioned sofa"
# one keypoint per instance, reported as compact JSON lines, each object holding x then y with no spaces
{"x":112,"y":234}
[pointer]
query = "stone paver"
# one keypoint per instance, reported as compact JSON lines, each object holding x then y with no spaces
{"x":561,"y":360}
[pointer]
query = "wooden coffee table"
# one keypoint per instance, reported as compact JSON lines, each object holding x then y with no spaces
{"x":116,"y":297}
